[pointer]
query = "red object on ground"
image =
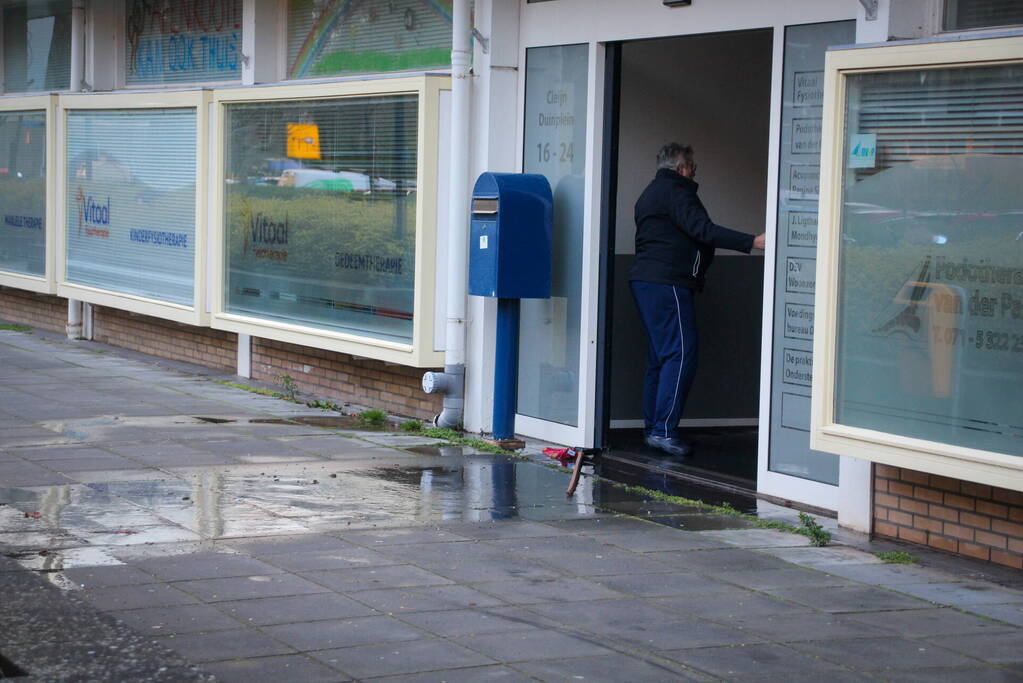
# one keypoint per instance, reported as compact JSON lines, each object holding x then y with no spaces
{"x":562,"y":455}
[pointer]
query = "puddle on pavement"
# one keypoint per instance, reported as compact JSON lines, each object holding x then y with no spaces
{"x":343,"y":422}
{"x":113,"y":427}
{"x":105,"y":518}
{"x":444,"y":451}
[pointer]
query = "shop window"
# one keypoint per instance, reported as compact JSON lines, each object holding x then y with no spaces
{"x":130,"y":202}
{"x":330,"y":205}
{"x":182,"y":41}
{"x":961,"y":15}
{"x":924,"y":265}
{"x":327,"y":38}
{"x":320,"y":210}
{"x":37,"y":45}
{"x":23,"y":190}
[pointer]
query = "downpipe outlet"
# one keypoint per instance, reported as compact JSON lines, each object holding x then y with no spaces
{"x":450,"y":383}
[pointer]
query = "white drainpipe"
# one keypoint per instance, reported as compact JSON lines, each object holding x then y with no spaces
{"x":451,"y":382}
{"x":74,"y":307}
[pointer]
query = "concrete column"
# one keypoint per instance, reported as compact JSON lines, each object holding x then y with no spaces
{"x":245,"y":355}
{"x":263,"y":23}
{"x":495,"y":122}
{"x":855,"y":494}
{"x":898,"y":20}
{"x":104,"y":44}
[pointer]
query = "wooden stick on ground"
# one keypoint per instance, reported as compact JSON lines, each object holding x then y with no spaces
{"x":576,"y":471}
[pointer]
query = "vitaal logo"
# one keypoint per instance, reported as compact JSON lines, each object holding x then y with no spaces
{"x":265,"y":234}
{"x":92,"y":213}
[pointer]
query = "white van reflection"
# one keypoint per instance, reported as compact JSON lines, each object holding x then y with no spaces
{"x":333,"y":181}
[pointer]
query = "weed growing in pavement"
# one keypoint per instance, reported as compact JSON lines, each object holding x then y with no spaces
{"x":813,"y":530}
{"x":456,"y":437}
{"x":411,"y":426}
{"x":252,"y":390}
{"x":14,"y":327}
{"x":723,"y":509}
{"x":289,"y":386}
{"x":374,"y":417}
{"x":896,"y":557}
{"x":441,"y":433}
{"x":326,"y":405}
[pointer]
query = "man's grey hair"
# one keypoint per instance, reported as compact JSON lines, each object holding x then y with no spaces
{"x":673,"y":155}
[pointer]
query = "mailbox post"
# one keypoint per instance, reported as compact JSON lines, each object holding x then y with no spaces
{"x":510,"y":260}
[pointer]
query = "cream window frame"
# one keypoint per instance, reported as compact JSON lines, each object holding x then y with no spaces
{"x":46,"y":284}
{"x":420,"y":353}
{"x":196,"y":314}
{"x":986,"y":467}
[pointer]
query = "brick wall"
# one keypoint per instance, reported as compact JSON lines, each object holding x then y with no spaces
{"x":341,"y":377}
{"x":44,"y":311}
{"x":200,"y":345}
{"x":983,"y":522}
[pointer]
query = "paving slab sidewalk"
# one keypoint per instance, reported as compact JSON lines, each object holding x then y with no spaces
{"x":258,"y":551}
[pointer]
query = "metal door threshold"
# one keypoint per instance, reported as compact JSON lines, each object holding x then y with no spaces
{"x":688,"y":473}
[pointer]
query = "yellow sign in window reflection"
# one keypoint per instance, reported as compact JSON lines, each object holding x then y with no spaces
{"x":303,"y":141}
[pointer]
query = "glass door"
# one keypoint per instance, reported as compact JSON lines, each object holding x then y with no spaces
{"x":791,"y":468}
{"x":553,"y":374}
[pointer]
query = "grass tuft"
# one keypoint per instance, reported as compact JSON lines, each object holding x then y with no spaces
{"x":896,"y":557}
{"x":14,"y":327}
{"x":289,"y":386}
{"x":814,"y":531}
{"x":374,"y":417}
{"x":251,"y":390}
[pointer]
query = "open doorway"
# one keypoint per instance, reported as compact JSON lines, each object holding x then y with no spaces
{"x":712,"y":91}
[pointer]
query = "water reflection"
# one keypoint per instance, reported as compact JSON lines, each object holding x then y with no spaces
{"x":85,"y":525}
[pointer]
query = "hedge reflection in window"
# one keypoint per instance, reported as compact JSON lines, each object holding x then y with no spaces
{"x":320,"y":213}
{"x":23,"y":192}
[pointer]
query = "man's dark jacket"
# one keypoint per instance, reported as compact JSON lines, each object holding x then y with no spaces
{"x":675,"y":238}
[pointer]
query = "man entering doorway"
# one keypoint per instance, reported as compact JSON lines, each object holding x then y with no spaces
{"x":675,"y":242}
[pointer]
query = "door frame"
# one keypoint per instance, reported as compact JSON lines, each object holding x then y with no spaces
{"x":773,"y":484}
{"x":604,"y":28}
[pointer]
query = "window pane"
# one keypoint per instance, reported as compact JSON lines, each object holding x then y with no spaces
{"x":23,"y":192}
{"x":182,"y":41}
{"x":555,"y":146}
{"x":321,"y":213}
{"x":37,"y":45}
{"x":966,"y":14}
{"x":327,"y":38}
{"x":131,"y":201}
{"x":931,"y":281}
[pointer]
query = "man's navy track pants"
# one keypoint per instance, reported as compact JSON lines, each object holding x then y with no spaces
{"x":668,"y":316}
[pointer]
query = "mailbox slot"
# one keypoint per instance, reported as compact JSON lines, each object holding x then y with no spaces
{"x":484,"y":206}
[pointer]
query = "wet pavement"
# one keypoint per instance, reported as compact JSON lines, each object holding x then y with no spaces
{"x":153,"y":521}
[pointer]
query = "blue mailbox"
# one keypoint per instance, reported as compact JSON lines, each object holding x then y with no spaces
{"x":510,"y":259}
{"x":510,"y":236}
